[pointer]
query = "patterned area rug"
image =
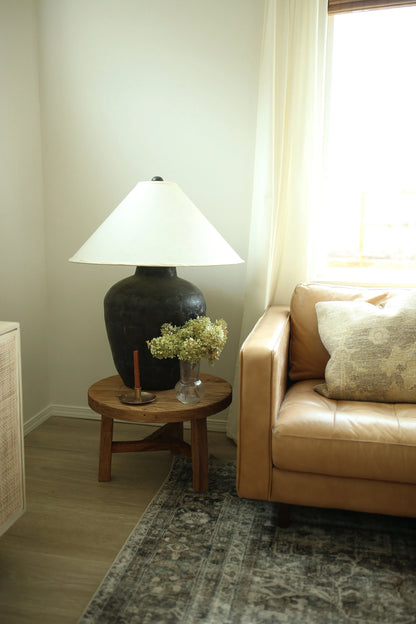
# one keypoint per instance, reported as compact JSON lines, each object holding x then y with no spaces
{"x":219,"y":559}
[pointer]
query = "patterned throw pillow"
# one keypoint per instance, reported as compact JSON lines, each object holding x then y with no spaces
{"x":372,"y":350}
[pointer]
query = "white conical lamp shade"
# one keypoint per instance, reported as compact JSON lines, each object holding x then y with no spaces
{"x":157,"y":225}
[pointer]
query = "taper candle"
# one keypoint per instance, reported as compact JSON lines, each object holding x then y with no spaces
{"x":136,"y":369}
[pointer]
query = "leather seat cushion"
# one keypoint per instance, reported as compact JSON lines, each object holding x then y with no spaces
{"x":358,"y":439}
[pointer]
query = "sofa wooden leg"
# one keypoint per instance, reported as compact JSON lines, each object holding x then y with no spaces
{"x":284,"y":515}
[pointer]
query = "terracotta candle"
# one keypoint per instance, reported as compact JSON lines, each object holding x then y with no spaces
{"x":136,"y":370}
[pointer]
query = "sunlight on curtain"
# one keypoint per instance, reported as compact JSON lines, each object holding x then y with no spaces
{"x":288,"y":156}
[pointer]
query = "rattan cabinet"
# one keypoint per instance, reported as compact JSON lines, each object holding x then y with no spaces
{"x":12,"y":480}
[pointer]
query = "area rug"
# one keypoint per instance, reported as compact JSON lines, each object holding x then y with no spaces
{"x":216,"y":558}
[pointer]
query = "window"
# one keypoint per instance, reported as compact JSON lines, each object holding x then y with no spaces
{"x":367,"y":230}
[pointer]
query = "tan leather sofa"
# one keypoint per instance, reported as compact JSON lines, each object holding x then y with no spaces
{"x":298,"y":447}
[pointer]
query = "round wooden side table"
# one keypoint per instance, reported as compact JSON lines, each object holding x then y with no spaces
{"x":104,"y":398}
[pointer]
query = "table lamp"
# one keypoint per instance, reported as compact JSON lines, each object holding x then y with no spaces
{"x":156,"y":228}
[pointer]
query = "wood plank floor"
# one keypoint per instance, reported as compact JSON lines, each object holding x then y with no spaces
{"x":55,"y":556}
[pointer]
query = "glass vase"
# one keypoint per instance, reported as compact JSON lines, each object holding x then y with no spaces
{"x":189,"y":388}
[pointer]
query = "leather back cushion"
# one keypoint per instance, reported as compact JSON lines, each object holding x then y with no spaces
{"x":308,"y":356}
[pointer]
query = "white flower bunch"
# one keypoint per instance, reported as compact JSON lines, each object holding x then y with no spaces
{"x":197,"y":339}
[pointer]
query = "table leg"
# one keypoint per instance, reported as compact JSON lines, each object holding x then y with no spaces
{"x":176,"y":429}
{"x":199,"y":445}
{"x":104,"y":468}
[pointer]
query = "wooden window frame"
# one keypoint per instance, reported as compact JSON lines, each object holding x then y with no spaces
{"x":346,"y":6}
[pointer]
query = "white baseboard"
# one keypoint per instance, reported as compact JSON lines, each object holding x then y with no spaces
{"x":74,"y":411}
{"x":214,"y":423}
{"x":36,"y":420}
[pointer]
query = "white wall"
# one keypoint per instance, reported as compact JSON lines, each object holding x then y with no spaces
{"x":128,"y":89}
{"x":22,"y":242}
{"x":133,"y":89}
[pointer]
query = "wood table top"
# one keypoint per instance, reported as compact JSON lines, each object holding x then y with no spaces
{"x":104,"y":398}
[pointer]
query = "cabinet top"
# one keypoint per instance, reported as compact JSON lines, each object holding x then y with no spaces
{"x":8,"y":326}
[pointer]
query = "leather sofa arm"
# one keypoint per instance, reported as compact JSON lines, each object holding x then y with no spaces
{"x":263,"y":380}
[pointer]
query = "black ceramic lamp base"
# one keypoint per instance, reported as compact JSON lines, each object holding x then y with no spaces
{"x":134,"y":310}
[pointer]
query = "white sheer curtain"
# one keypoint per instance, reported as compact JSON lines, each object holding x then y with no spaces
{"x":289,"y":147}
